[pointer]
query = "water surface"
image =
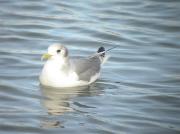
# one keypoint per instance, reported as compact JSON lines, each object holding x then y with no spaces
{"x":139,"y":88}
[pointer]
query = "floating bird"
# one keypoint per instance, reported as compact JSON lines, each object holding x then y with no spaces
{"x":61,"y":71}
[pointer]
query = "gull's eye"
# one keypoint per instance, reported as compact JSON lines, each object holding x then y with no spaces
{"x":58,"y":51}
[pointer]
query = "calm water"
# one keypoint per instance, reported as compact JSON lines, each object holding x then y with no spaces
{"x":139,"y":89}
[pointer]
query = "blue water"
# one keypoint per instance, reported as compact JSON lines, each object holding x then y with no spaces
{"x":139,"y":88}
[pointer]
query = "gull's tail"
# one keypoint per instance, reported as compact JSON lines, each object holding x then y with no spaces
{"x":102,"y":53}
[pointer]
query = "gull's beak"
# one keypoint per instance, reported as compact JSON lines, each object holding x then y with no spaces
{"x":46,"y":56}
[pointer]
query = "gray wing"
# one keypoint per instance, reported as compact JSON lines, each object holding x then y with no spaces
{"x":86,"y":68}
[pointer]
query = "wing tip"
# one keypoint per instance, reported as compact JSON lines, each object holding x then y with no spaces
{"x":100,"y":50}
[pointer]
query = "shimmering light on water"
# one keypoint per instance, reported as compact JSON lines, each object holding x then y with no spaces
{"x":138,"y":91}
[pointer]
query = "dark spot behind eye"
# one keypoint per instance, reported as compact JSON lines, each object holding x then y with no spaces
{"x":58,"y":51}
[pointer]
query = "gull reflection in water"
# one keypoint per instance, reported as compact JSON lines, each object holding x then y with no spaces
{"x":57,"y":101}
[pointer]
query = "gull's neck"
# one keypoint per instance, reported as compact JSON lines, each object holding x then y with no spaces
{"x":60,"y":63}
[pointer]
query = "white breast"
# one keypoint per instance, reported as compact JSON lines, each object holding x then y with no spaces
{"x":53,"y":76}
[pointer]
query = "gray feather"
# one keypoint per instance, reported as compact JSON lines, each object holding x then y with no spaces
{"x":86,"y":68}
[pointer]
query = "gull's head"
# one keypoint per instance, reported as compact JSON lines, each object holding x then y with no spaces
{"x":56,"y":51}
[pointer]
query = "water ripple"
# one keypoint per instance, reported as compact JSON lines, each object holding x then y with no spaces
{"x":138,"y":91}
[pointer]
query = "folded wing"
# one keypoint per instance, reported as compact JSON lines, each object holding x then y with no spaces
{"x":86,"y":68}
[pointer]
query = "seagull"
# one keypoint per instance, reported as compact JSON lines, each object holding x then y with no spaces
{"x":62,"y":71}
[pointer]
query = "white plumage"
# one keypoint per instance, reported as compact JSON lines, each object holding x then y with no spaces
{"x":61,"y":71}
